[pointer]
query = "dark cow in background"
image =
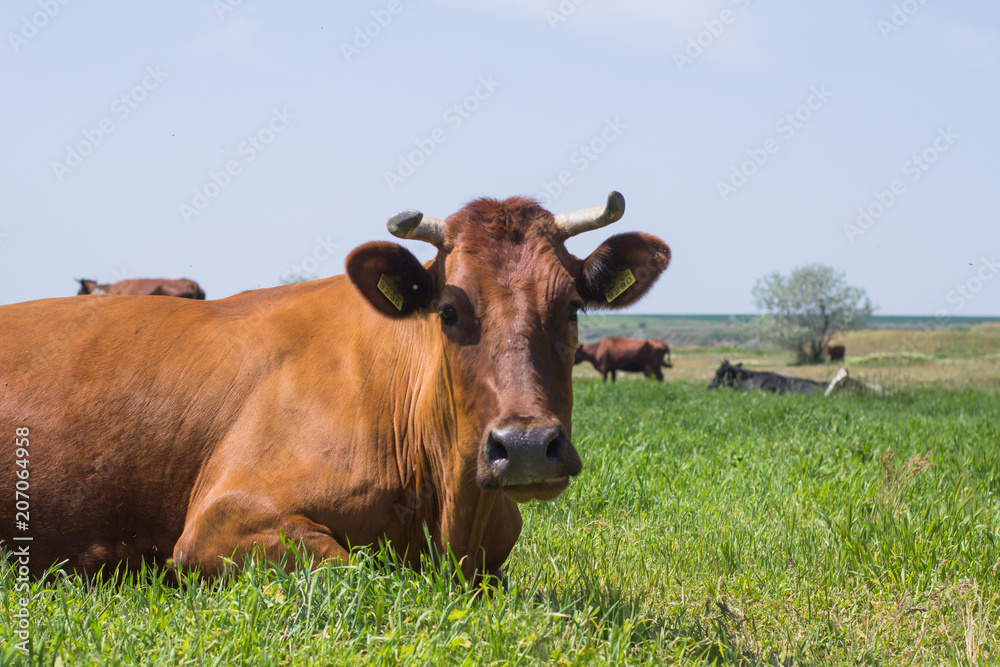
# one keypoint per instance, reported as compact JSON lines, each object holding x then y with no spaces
{"x":836,"y":352}
{"x":738,"y":377}
{"x":400,"y":401}
{"x":633,"y":355}
{"x":184,"y":288}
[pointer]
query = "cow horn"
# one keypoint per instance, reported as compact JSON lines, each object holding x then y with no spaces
{"x":415,"y":225}
{"x":578,"y":222}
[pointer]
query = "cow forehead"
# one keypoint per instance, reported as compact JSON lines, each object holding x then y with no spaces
{"x":536,"y":271}
{"x":491,"y":220}
{"x":498,"y":250}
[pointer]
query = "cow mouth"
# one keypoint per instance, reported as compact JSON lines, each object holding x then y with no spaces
{"x":549,"y":489}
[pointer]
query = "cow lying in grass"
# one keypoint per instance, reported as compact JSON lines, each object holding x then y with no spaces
{"x":406,"y":403}
{"x":738,"y":377}
{"x":184,"y":288}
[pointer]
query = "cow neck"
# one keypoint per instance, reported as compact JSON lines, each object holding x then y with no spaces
{"x":457,"y":508}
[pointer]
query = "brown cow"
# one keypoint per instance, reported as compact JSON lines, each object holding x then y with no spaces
{"x":633,"y":355}
{"x":345,"y":411}
{"x":184,"y":288}
{"x":836,"y":352}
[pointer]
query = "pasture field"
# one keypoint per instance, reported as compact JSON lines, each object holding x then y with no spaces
{"x":707,"y":528}
{"x":716,"y":330}
{"x":963,"y":355}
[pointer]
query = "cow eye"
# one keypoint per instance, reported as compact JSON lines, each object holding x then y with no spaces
{"x":574,"y":309}
{"x":448,"y":314}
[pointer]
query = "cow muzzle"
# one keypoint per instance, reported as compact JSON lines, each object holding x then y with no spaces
{"x":528,"y":461}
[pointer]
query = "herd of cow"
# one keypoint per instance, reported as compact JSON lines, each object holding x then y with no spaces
{"x":645,"y":355}
{"x":347,"y":411}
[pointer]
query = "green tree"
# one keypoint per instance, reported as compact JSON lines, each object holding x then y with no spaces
{"x":803,"y":311}
{"x":295,"y":278}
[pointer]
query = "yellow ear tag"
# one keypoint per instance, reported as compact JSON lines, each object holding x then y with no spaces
{"x":621,"y":282}
{"x":387,"y":286}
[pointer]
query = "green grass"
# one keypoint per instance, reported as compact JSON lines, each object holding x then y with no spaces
{"x":889,"y":359}
{"x":969,"y":343}
{"x":707,"y":527}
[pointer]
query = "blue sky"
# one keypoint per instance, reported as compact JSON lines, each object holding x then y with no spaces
{"x":251,"y":140}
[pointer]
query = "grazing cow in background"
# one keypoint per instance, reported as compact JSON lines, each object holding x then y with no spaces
{"x":348,"y":411}
{"x":836,"y":352}
{"x":738,"y":377}
{"x":184,"y":288}
{"x":634,"y":355}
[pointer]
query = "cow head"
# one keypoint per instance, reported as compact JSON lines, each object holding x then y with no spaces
{"x":89,"y":287}
{"x":502,"y":296}
{"x":728,"y":375}
{"x":195,"y":292}
{"x":584,"y":353}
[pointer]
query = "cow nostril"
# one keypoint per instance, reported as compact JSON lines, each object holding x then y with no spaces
{"x":554,"y":450}
{"x":495,"y":451}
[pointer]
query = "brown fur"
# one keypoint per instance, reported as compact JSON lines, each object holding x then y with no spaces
{"x":319,"y":411}
{"x":184,"y":288}
{"x":635,"y":355}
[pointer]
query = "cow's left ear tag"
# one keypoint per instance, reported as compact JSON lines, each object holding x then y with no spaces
{"x":387,"y":285}
{"x":619,"y":284}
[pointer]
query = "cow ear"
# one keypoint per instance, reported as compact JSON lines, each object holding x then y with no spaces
{"x":622,"y":270}
{"x":390,"y":278}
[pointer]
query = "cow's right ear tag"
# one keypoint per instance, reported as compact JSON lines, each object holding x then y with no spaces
{"x":387,"y":285}
{"x":619,"y":284}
